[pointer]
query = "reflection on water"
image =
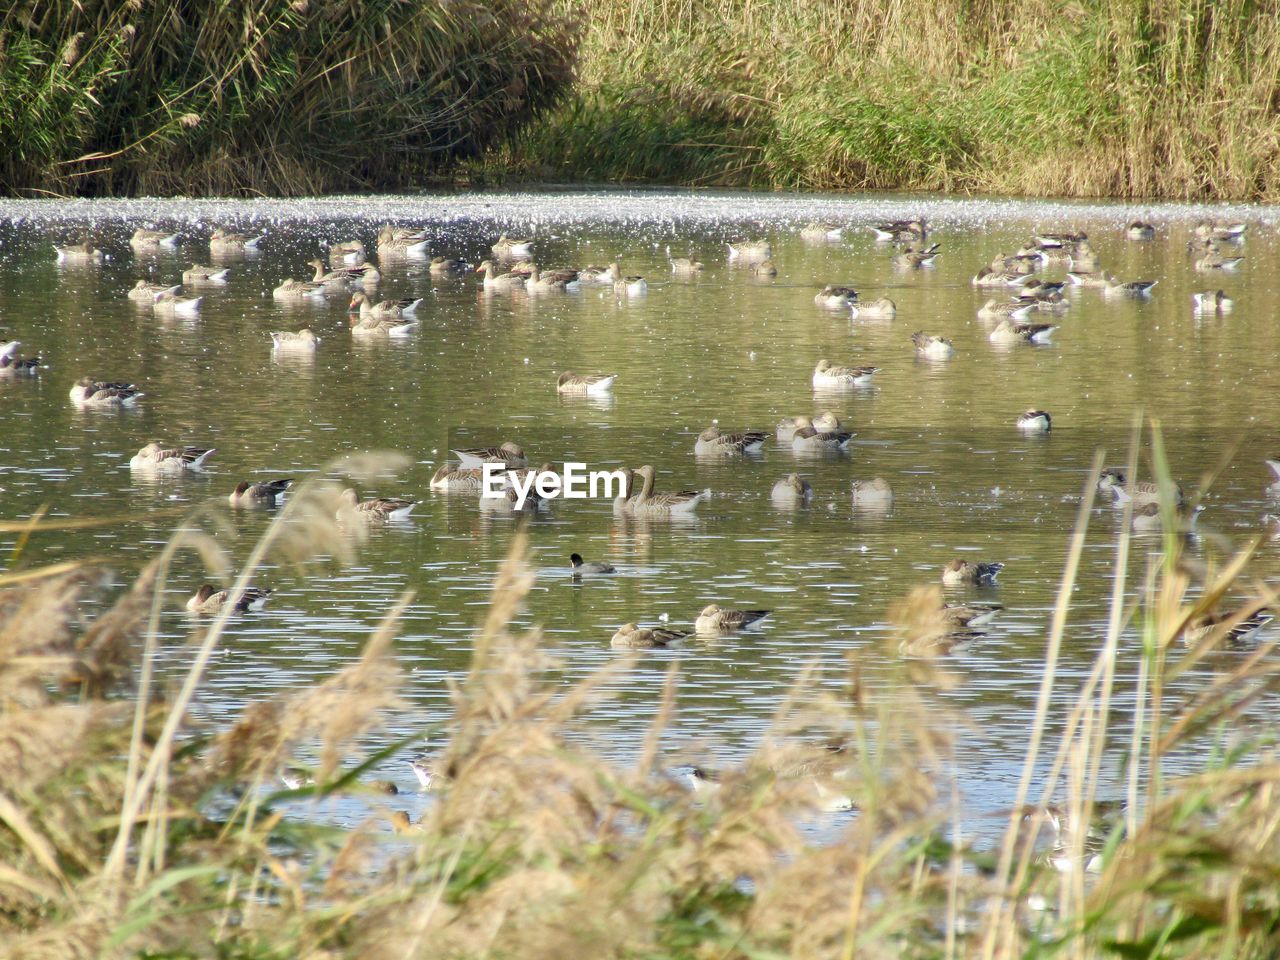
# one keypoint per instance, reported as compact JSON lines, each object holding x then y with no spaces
{"x":719,"y":345}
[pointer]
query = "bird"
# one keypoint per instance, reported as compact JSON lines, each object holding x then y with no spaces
{"x":170,"y":460}
{"x":1274,"y":467}
{"x":1004,"y":310}
{"x":447,"y":267}
{"x":402,"y":242}
{"x":1216,"y":261}
{"x":210,"y":600}
{"x":300,"y":341}
{"x":792,"y":490}
{"x":509,"y":453}
{"x":79,"y":253}
{"x":346,"y":253}
{"x":750,"y":251}
{"x":334,"y":281}
{"x":11,"y":363}
{"x":196,"y":274}
{"x":932,"y":347}
{"x":913,"y":257}
{"x":714,"y":620}
{"x":383,"y":310}
{"x":873,"y":494}
{"x":629,"y":636}
{"x":630,"y":286}
{"x":787,"y":427}
{"x":1127,"y":288}
{"x":88,"y":392}
{"x":452,"y":479}
{"x":1021,"y":332}
{"x":968,"y":616}
{"x":506,"y":248}
{"x":265,"y":493}
{"x":225,"y":241}
{"x":1220,"y":230}
{"x":170,"y":304}
{"x":1142,"y":492}
{"x":589,"y":568}
{"x":901,"y":231}
{"x":376,"y":509}
{"x":836,"y":297}
{"x":1213,"y":301}
{"x":828,"y":374}
{"x":591,"y":384}
{"x":376,"y":326}
{"x":1140,"y":230}
{"x":712,"y":442}
{"x":811,"y":440}
{"x":608,"y":276}
{"x":960,"y":571}
{"x":1238,"y":626}
{"x":1148,"y":517}
{"x":146,"y":292}
{"x":764,"y":269}
{"x":552,"y":281}
{"x":431,"y":772}
{"x":297,"y":290}
{"x":144,"y":239}
{"x":500,"y":282}
{"x":648,"y":504}
{"x":882,"y":308}
{"x":1034,"y":421}
{"x":820,"y":232}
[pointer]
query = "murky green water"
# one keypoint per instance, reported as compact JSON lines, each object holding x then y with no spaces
{"x":724,"y":347}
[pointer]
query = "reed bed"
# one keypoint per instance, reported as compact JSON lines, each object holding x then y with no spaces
{"x":128,"y":829}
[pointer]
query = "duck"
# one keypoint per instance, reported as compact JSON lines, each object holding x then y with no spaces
{"x":629,"y":636}
{"x":608,"y":276}
{"x":88,"y":392}
{"x":592,"y":384}
{"x":210,"y":600}
{"x":375,"y":509}
{"x":1127,"y":288}
{"x":1220,"y":230}
{"x":836,"y":298}
{"x":144,"y":239}
{"x":223,"y":241}
{"x":1216,"y":261}
{"x":170,"y":304}
{"x":509,"y":453}
{"x":715,"y":620}
{"x":264,"y":493}
{"x":820,"y":232}
{"x":1140,"y":230}
{"x":828,"y":374}
{"x":882,"y":308}
{"x":146,"y":292}
{"x":552,"y":281}
{"x":448,"y":267}
{"x":199,"y":274}
{"x":631,"y":286}
{"x":764,"y":270}
{"x":450,"y":478}
{"x":82,"y":252}
{"x":299,"y":341}
{"x":171,"y":460}
{"x":1004,"y":310}
{"x":913,"y":257}
{"x":959,"y":571}
{"x":875,"y":493}
{"x":750,"y":251}
{"x":11,"y":363}
{"x":506,"y":249}
{"x":385,"y":309}
{"x":1213,"y":301}
{"x":500,"y":282}
{"x":346,"y":253}
{"x":589,"y":568}
{"x":297,"y":290}
{"x":791,"y":490}
{"x":811,"y":440}
{"x":1035,"y":421}
{"x":402,"y":242}
{"x":1018,"y":332}
{"x":647,"y":503}
{"x":712,"y":442}
{"x":932,"y":347}
{"x":901,"y":231}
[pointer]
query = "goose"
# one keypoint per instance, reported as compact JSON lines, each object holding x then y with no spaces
{"x":197,"y":274}
{"x":631,"y":286}
{"x":589,"y":568}
{"x":210,"y":600}
{"x":1220,"y":230}
{"x":607,"y":276}
{"x":506,"y":249}
{"x":1213,"y":301}
{"x":1009,"y":332}
{"x":791,"y":490}
{"x":143,"y":239}
{"x":223,"y":241}
{"x":297,"y":290}
{"x":552,"y":281}
{"x":1098,"y":279}
{"x":510,"y":453}
{"x":647,"y":503}
{"x":146,"y":292}
{"x":932,"y":347}
{"x":836,"y":298}
{"x":384,"y":310}
{"x":171,"y":460}
{"x":376,"y":509}
{"x":88,"y":392}
{"x":11,"y":363}
{"x":901,"y":231}
{"x":453,"y":479}
{"x":1147,"y":518}
{"x":715,"y":620}
{"x":827,"y":422}
{"x":712,"y":442}
{"x":810,"y":440}
{"x":765,"y":269}
{"x":1004,"y":310}
{"x":499,"y":282}
{"x":960,"y":571}
{"x":881,"y":308}
{"x":620,"y":502}
{"x":787,"y":427}
{"x":377,"y":325}
{"x":914,"y":257}
{"x":301,"y":341}
{"x":989,"y":277}
{"x":629,"y":636}
{"x":1141,"y":492}
{"x":447,"y":267}
{"x":402,"y":242}
{"x":874,"y":493}
{"x":828,"y":374}
{"x":1216,"y":261}
{"x":171,"y":304}
{"x":82,"y":252}
{"x":1035,"y":421}
{"x":750,"y":251}
{"x":1127,"y":288}
{"x":431,"y":773}
{"x":969,"y":615}
{"x":1060,"y":241}
{"x":592,"y":385}
{"x":334,"y":281}
{"x":821,"y":232}
{"x":1140,"y":230}
{"x":346,"y":253}
{"x":265,"y":493}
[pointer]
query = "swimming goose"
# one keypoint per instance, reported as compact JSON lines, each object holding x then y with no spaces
{"x":298,"y":290}
{"x":589,"y":568}
{"x":1213,"y":301}
{"x":346,"y":253}
{"x":375,"y":509}
{"x":932,"y":347}
{"x":1098,"y":279}
{"x":510,"y":453}
{"x":88,"y":392}
{"x":836,"y":298}
{"x":1140,"y":230}
{"x":874,"y":493}
{"x":1220,"y":230}
{"x":210,"y":600}
{"x":647,"y":503}
{"x":172,"y":460}
{"x":377,"y":325}
{"x":267,"y":493}
{"x":787,"y":427}
{"x":1041,"y":289}
{"x":632,"y":637}
{"x":960,"y":571}
{"x":499,"y":282}
{"x":881,"y":308}
{"x":10,"y":362}
{"x":384,"y":310}
{"x":446,"y":267}
{"x":170,"y":304}
{"x":714,"y":620}
{"x":593,"y":385}
{"x":335,"y":281}
{"x":1004,"y":310}
{"x":507,"y":249}
{"x":146,"y":292}
{"x":988,"y":277}
{"x":82,"y":252}
{"x":1128,"y":288}
{"x":712,"y":441}
{"x":1018,"y":332}
{"x":791,"y":490}
{"x":1141,"y":492}
{"x":820,"y":232}
{"x":1216,"y":261}
{"x":810,"y":440}
{"x":152,"y":239}
{"x":1148,"y":518}
{"x":631,"y":286}
{"x":969,"y":615}
{"x":1035,"y":421}
{"x":1241,"y":626}
{"x":198,"y":274}
{"x":765,"y":269}
{"x":901,"y":231}
{"x":301,"y":341}
{"x":915,"y":257}
{"x":750,"y":251}
{"x":828,"y":374}
{"x":552,"y":281}
{"x":453,"y":479}
{"x":607,"y":276}
{"x":402,"y":242}
{"x":224,"y":240}
{"x":1060,"y":241}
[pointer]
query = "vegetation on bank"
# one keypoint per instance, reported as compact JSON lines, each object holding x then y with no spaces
{"x":128,"y":829}
{"x":1088,"y":98}
{"x":286,"y":97}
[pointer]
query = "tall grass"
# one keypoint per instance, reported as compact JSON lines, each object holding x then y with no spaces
{"x":126,"y":829}
{"x":1172,"y":98}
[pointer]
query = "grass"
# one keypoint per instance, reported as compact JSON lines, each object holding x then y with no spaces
{"x":127,"y":829}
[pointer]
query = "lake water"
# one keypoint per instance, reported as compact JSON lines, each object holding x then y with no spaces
{"x":724,"y":346}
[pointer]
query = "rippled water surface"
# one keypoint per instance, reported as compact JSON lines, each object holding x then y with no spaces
{"x":724,"y":346}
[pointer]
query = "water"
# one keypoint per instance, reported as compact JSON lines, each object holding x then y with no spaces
{"x":724,"y":346}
